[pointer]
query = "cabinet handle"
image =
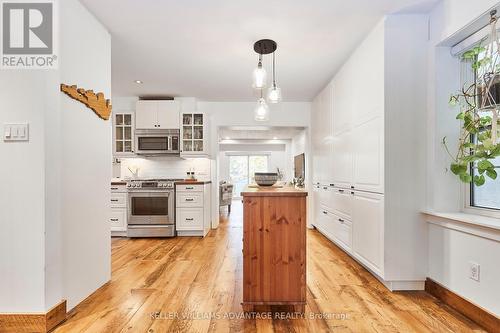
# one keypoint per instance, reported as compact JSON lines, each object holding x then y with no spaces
{"x":114,"y":188}
{"x":332,"y":185}
{"x":189,"y":199}
{"x":114,"y":200}
{"x":190,"y":188}
{"x":189,"y":219}
{"x":352,"y":187}
{"x":341,"y":221}
{"x":159,"y":125}
{"x":352,"y":192}
{"x":341,"y":191}
{"x":325,"y":212}
{"x":325,"y":188}
{"x":114,"y":220}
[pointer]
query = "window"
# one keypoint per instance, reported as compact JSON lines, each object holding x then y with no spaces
{"x":242,"y":169}
{"x":486,"y":197}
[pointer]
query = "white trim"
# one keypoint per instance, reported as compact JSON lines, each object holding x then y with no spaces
{"x":467,"y":208}
{"x":481,"y":226}
{"x":248,"y":153}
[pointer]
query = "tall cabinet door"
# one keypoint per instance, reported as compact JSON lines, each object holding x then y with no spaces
{"x":368,"y":153}
{"x":368,"y":229}
{"x":146,"y":113}
{"x":342,"y":159}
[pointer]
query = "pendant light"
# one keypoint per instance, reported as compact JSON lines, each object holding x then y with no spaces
{"x":259,"y":76}
{"x":274,"y":93}
{"x":261,"y":112}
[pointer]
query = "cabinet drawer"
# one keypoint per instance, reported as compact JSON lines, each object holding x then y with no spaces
{"x":341,"y":202}
{"x":189,"y":188}
{"x":118,"y":199}
{"x":189,"y":199}
{"x":342,"y":231}
{"x":118,"y":189}
{"x":118,"y":219}
{"x":189,"y":219}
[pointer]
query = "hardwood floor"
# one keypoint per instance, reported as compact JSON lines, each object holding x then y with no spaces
{"x":195,"y":285}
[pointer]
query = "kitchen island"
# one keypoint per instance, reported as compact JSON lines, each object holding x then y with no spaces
{"x":274,"y":247}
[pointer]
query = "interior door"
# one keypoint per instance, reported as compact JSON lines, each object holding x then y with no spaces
{"x":146,"y":115}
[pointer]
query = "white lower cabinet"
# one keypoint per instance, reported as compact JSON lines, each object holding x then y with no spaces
{"x":192,"y":212}
{"x":368,"y":229}
{"x":118,"y":213}
{"x":354,"y":220}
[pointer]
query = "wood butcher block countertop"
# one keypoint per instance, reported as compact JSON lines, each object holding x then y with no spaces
{"x":287,"y":191}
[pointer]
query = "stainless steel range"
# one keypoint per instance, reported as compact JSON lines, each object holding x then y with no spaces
{"x":151,"y":208}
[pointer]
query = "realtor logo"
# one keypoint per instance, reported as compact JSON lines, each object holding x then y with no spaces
{"x":28,"y":34}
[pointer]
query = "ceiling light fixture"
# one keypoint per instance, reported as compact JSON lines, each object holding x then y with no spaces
{"x":261,"y":112}
{"x":274,"y":93}
{"x":138,"y":81}
{"x":259,"y":75}
{"x":261,"y":47}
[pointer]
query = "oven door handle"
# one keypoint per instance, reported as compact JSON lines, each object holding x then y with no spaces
{"x":169,"y":145}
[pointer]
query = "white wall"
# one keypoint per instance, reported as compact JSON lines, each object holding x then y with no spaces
{"x":450,"y":250}
{"x":85,"y":155}
{"x":22,"y":205}
{"x":54,"y":215}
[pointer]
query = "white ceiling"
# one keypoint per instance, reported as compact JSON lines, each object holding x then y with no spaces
{"x":204,"y":48}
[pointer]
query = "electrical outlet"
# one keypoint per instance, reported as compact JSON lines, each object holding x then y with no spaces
{"x":474,"y":271}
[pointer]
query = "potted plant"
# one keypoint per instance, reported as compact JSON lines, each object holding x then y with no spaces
{"x":479,"y":104}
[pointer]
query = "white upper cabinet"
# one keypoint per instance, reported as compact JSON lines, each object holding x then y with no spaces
{"x":168,"y":114}
{"x":157,"y":115}
{"x":368,"y":153}
{"x":146,"y":114}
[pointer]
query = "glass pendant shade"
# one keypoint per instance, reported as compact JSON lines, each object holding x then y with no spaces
{"x":261,"y":110}
{"x":274,"y":94}
{"x":259,"y":77}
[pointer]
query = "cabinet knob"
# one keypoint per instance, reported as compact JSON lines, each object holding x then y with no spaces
{"x":352,"y":186}
{"x":341,"y":191}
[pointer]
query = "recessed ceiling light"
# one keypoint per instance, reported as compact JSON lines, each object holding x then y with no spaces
{"x":138,"y":81}
{"x":228,"y":138}
{"x":275,"y":138}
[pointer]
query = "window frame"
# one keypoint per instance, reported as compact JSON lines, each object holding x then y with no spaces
{"x":247,"y":155}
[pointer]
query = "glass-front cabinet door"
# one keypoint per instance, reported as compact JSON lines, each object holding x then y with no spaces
{"x":123,"y":133}
{"x":193,"y":134}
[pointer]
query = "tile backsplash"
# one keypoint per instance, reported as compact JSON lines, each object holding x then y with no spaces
{"x":165,"y":167}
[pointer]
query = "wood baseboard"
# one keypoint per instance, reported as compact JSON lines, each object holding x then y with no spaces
{"x":475,"y":313}
{"x":33,"y":322}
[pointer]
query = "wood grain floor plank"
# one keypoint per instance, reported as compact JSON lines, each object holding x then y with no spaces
{"x":157,"y":282}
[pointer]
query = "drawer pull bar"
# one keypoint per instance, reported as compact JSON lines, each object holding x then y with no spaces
{"x":189,"y":199}
{"x":114,"y":220}
{"x":114,"y":200}
{"x":189,"y":219}
{"x":341,"y":221}
{"x":190,"y":188}
{"x":114,"y":188}
{"x":341,"y":191}
{"x":325,"y":212}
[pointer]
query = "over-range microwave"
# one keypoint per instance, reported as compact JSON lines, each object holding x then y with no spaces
{"x":157,"y":141}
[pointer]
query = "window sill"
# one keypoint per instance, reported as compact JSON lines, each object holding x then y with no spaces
{"x":479,"y":225}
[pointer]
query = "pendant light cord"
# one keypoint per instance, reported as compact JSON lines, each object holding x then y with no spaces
{"x":274,"y":70}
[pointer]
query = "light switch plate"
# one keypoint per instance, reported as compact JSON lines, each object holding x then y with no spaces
{"x":16,"y":132}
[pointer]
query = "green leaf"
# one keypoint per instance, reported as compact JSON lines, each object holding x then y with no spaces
{"x":479,"y":180}
{"x":461,"y":116}
{"x":458,"y":169}
{"x":483,"y":165}
{"x":491,"y":173}
{"x":465,"y":177}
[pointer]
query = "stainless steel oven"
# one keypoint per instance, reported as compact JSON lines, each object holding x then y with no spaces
{"x":157,"y":141}
{"x":151,"y":208}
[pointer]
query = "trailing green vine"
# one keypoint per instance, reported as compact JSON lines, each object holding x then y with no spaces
{"x":479,"y":104}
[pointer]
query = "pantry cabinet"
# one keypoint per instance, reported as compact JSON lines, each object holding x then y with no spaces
{"x":368,"y":142}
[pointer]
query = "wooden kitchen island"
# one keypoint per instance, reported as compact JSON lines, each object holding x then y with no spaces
{"x":274,"y":247}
